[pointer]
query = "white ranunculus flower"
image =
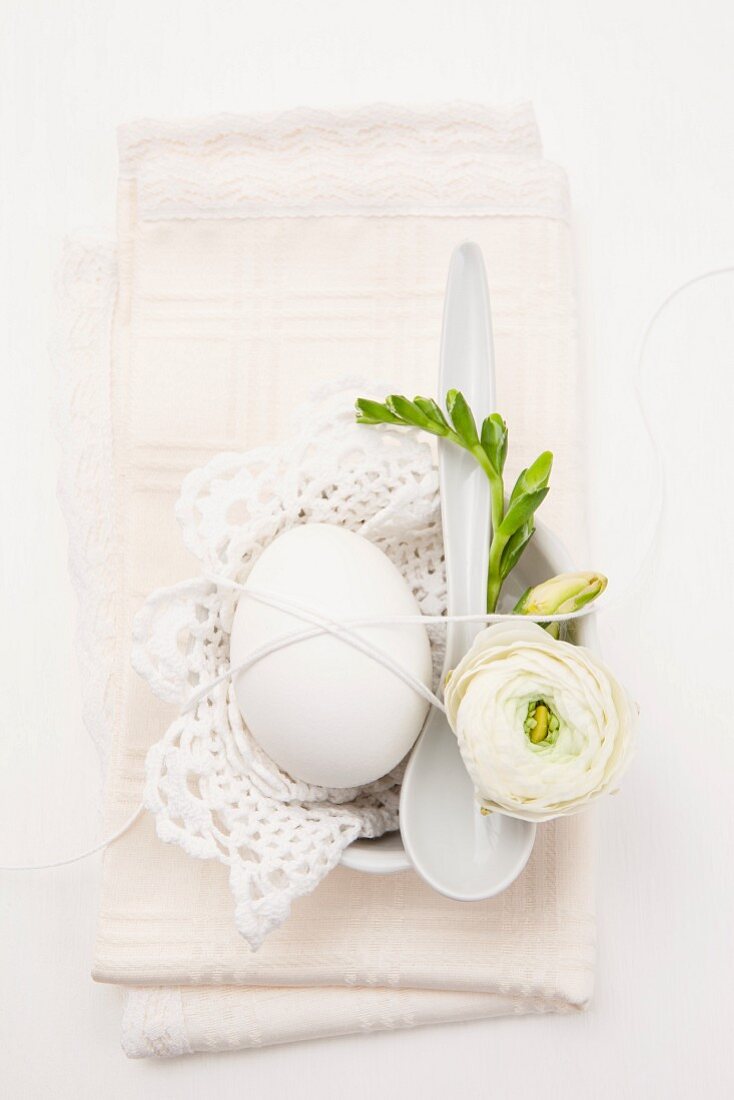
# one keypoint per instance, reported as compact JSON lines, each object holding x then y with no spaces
{"x":542,"y":725}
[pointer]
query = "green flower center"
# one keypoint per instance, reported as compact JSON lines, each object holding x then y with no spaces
{"x":542,"y":723}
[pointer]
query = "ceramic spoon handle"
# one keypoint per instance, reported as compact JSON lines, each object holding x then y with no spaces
{"x":467,"y":364}
{"x":457,"y":851}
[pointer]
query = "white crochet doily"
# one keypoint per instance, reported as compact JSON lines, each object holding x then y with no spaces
{"x":211,"y":788}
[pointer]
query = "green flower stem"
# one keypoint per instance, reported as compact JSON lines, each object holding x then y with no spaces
{"x":496,"y":487}
{"x":497,"y":503}
{"x":494,"y":575}
{"x":497,"y":499}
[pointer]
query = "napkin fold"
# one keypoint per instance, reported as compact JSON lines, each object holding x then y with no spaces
{"x":257,"y":258}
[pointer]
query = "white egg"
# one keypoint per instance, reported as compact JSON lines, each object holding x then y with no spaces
{"x":323,"y":711}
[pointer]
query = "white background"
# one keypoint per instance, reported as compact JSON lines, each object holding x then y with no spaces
{"x":635,"y":100}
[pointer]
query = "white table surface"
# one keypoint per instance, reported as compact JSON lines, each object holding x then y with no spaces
{"x":635,"y":100}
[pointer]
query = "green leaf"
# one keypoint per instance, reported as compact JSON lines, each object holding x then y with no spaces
{"x":409,"y":412}
{"x":533,"y":477}
{"x":514,"y":549}
{"x":462,"y":418}
{"x":432,"y":410}
{"x":494,"y":441}
{"x":518,"y":488}
{"x":520,"y":511}
{"x":374,"y":412}
{"x":586,"y":597}
{"x":519,"y":608}
{"x":537,"y":475}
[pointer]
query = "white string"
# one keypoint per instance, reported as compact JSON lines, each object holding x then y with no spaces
{"x":343,"y":630}
{"x":82,"y":855}
{"x":659,"y":481}
{"x":322,"y":624}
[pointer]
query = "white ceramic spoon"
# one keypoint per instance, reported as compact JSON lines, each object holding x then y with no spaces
{"x":457,"y":850}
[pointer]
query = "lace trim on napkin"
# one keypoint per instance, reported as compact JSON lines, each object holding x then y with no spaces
{"x":153,"y":1024}
{"x":85,"y":290}
{"x":211,"y":788}
{"x":456,"y":160}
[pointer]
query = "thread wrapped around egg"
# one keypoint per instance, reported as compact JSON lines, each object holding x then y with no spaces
{"x":325,"y":712}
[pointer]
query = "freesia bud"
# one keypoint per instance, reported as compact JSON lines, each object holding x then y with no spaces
{"x":562,"y":594}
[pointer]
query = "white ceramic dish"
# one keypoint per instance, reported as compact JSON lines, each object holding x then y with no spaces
{"x":545,"y":556}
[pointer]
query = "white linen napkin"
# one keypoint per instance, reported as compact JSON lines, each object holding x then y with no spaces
{"x":257,"y":258}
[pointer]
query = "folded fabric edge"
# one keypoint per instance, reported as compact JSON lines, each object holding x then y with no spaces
{"x":562,"y":970}
{"x":168,"y":1022}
